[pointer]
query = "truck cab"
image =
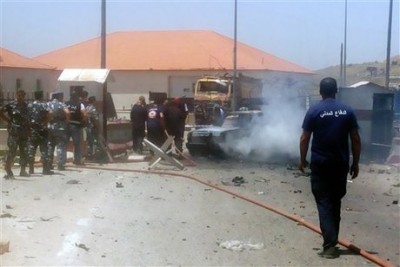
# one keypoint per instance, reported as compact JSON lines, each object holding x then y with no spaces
{"x":213,"y":97}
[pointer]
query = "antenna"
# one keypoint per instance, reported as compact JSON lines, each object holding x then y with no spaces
{"x":387,"y":77}
{"x":234,"y":93}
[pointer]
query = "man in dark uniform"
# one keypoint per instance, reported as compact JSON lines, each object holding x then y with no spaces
{"x":174,"y":120}
{"x":16,"y":115}
{"x":76,"y":122}
{"x":138,"y":120}
{"x":58,"y":127}
{"x":181,"y":128}
{"x":330,"y":123}
{"x":39,"y":117}
{"x":155,"y":123}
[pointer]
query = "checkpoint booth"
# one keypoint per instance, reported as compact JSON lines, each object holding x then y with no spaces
{"x":94,"y":81}
{"x":91,"y":80}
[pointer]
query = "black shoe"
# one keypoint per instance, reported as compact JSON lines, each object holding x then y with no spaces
{"x":330,"y":253}
{"x":61,"y":168}
{"x":9,"y":176}
{"x":47,"y":172}
{"x":24,"y":174}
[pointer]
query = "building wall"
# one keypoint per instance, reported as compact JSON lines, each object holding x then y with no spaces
{"x":28,"y":78}
{"x":126,"y":86}
{"x":129,"y":85}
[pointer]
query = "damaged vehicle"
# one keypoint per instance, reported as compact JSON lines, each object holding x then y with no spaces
{"x":216,"y":140}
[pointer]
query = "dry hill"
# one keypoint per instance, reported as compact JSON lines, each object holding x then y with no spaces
{"x":370,"y":71}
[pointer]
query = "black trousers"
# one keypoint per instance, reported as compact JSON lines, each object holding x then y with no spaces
{"x":328,"y":185}
{"x":138,"y":135}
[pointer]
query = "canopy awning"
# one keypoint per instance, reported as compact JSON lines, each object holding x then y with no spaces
{"x":86,"y":75}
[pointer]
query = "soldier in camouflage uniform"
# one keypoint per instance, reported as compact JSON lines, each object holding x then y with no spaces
{"x":39,"y":117}
{"x":92,"y":127}
{"x":58,"y":126}
{"x":16,"y":115}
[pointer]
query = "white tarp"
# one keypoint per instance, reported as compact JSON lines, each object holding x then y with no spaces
{"x":85,"y":75}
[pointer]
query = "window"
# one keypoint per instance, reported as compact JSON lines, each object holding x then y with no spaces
{"x":219,"y":87}
{"x":18,"y":84}
{"x":38,"y":85}
{"x":1,"y":95}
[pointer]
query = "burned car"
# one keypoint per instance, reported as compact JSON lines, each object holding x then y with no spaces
{"x":214,"y":140}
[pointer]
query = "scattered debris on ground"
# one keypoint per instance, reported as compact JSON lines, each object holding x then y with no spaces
{"x":236,"y":245}
{"x":82,"y":246}
{"x":73,"y":181}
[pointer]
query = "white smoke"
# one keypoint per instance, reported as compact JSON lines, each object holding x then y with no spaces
{"x":275,"y":135}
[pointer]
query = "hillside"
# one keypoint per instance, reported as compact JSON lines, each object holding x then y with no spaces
{"x":370,"y":71}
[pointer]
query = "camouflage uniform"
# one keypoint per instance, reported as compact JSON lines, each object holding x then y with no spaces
{"x":18,"y":135}
{"x":92,"y":130}
{"x":38,"y":113}
{"x":58,"y":126}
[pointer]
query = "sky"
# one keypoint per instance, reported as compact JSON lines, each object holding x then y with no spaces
{"x":309,"y":33}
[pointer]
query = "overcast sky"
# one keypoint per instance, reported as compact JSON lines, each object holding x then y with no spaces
{"x":305,"y":32}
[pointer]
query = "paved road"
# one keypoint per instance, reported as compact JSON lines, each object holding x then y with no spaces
{"x":129,"y":216}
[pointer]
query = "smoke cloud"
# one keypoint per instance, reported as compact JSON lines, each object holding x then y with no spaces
{"x":276,"y":134}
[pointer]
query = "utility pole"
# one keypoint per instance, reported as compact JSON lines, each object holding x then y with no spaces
{"x":389,"y":38}
{"x":103,"y":65}
{"x":235,"y":85}
{"x":345,"y":45}
{"x":341,"y":65}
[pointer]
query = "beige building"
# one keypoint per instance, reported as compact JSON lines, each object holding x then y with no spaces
{"x":172,"y":61}
{"x":153,"y":61}
{"x":18,"y":72}
{"x":141,"y":62}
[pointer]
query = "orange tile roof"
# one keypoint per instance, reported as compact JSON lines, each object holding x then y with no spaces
{"x":12,"y":60}
{"x":167,"y":50}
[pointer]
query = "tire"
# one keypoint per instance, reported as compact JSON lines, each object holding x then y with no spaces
{"x":196,"y":153}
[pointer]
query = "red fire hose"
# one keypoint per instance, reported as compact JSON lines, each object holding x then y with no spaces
{"x":299,"y":220}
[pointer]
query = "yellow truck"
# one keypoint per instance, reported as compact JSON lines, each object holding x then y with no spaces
{"x":213,"y":97}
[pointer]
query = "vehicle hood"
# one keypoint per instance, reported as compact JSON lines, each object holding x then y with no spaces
{"x":213,"y":129}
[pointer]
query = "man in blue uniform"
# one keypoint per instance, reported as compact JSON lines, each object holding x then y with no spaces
{"x":156,"y":133}
{"x":330,"y":123}
{"x":138,"y":120}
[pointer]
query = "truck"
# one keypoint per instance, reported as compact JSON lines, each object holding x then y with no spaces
{"x":213,"y":97}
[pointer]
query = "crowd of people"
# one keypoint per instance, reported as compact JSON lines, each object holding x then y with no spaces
{"x":157,"y":121}
{"x":48,"y":126}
